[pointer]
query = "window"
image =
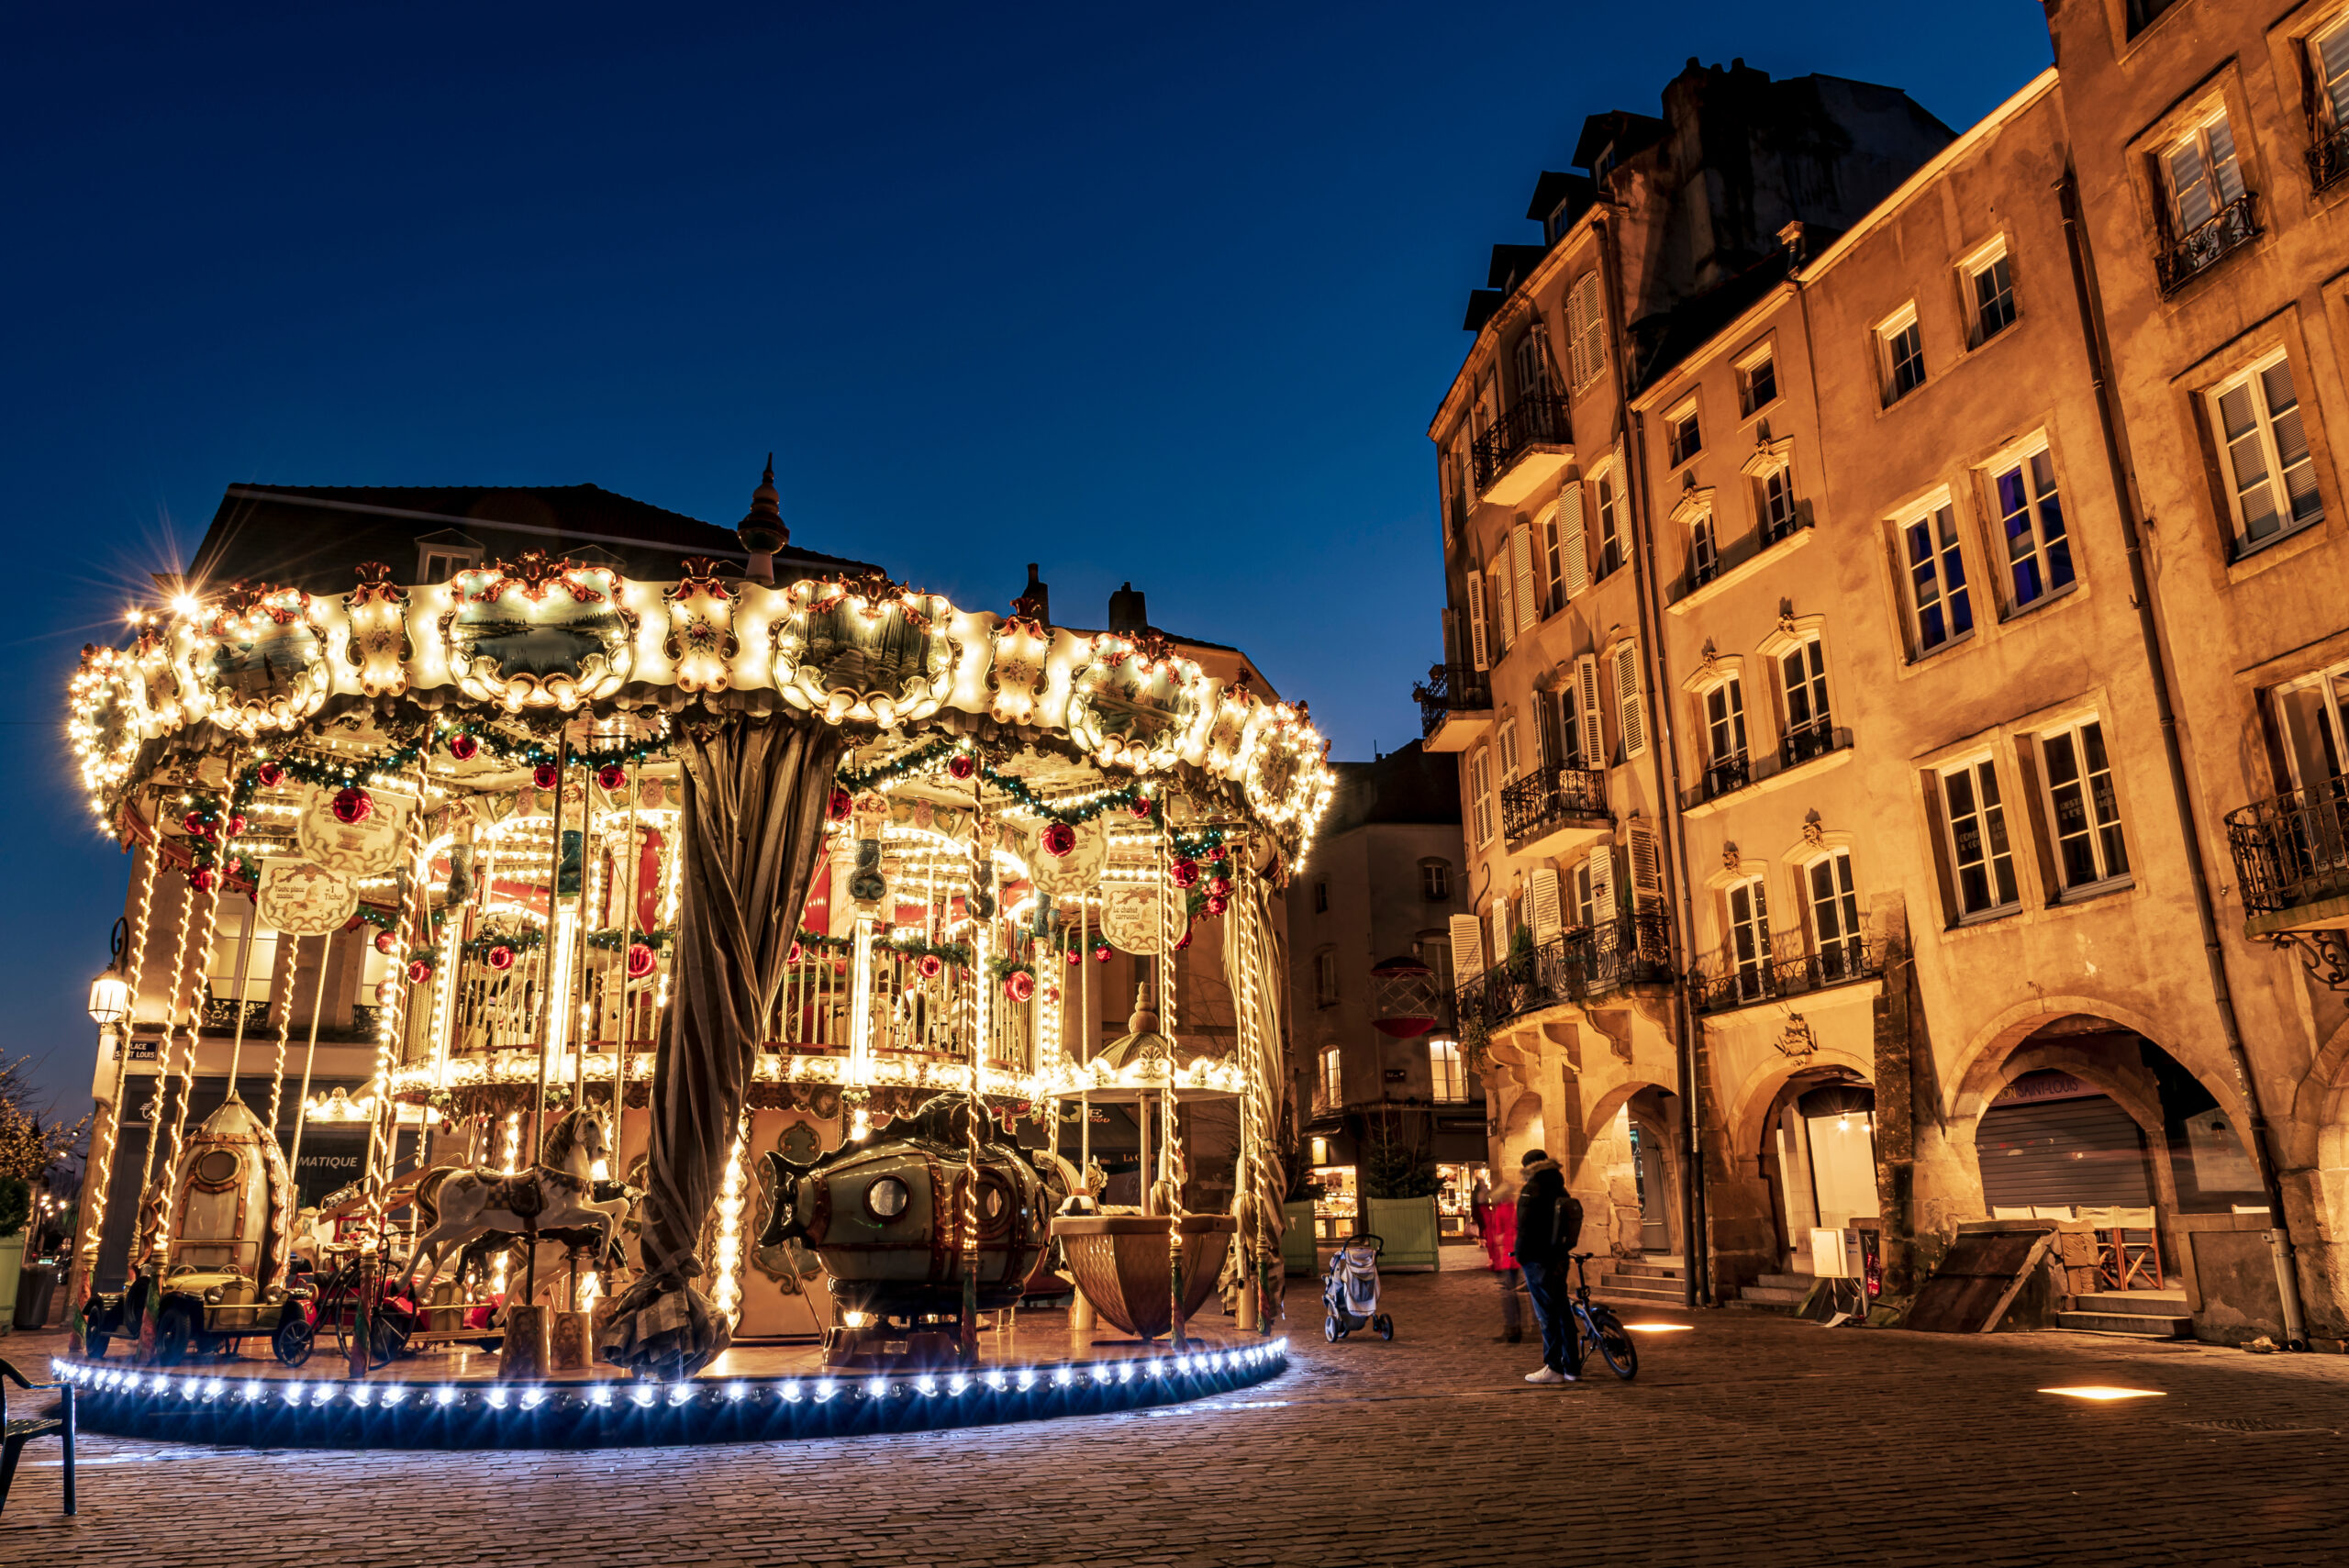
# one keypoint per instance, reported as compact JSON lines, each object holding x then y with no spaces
{"x":1610,"y":528}
{"x":1512,"y":763}
{"x":1449,"y":1084}
{"x":2144,"y":14}
{"x":1434,"y":950}
{"x":1939,"y":608}
{"x":1809,"y":725}
{"x":1554,"y":561}
{"x":1480,"y":795}
{"x":1901,"y":355}
{"x":1320,"y":898}
{"x":1436,"y":881}
{"x":2039,"y":555}
{"x":1630,"y":701}
{"x":1334,"y":1078}
{"x":2083,"y":807}
{"x":1774,"y":507}
{"x":1504,"y":609}
{"x":2329,"y":66}
{"x":1585,"y":330}
{"x":1704,"y":555}
{"x":1749,"y":939}
{"x":1725,"y":763}
{"x":1834,"y":916}
{"x":1681,"y":433}
{"x":2203,"y":177}
{"x":1530,"y":378}
{"x":2270,"y":477}
{"x":1757,"y":384}
{"x":233,"y":973}
{"x":1980,"y":856}
{"x":1991,"y":294}
{"x":1594,"y":889}
{"x":1325,"y":979}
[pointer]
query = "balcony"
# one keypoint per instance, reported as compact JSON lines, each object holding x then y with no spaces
{"x":1555,"y":811}
{"x":1724,"y":984}
{"x":2291,"y":858}
{"x":1455,"y":707}
{"x":2329,"y":159}
{"x":2207,"y":243}
{"x":1578,"y":966}
{"x":1805,"y":741}
{"x":1805,"y":749}
{"x":1742,"y":558}
{"x":1729,"y":773}
{"x":1524,"y":450}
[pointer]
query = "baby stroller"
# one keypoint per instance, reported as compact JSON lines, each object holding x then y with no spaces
{"x":1350,"y":1293}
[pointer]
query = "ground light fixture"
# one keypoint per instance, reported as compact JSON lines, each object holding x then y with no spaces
{"x":1659,"y":1328}
{"x":2105,"y":1394}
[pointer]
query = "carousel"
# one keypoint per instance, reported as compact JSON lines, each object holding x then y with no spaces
{"x":742,"y":950}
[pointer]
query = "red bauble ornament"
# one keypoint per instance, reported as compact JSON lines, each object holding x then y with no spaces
{"x":962,"y":764}
{"x":1142,"y":805}
{"x":1076,"y":956}
{"x":202,"y":878}
{"x":842,"y":806}
{"x":641,"y":961}
{"x":1183,"y":940}
{"x":1221,"y":886}
{"x":1020,"y":986}
{"x":1218,"y":852}
{"x":269,"y":775}
{"x":1184,"y":873}
{"x":464,"y":748}
{"x":198,"y":828}
{"x":546,"y":776}
{"x":1059,"y":840}
{"x":931,"y":966}
{"x":354,"y":805}
{"x":385,"y":942}
{"x":387,"y":994}
{"x":236,"y":824}
{"x":1216,"y":903}
{"x":419,"y":970}
{"x":795,"y":954}
{"x":1101,"y":952}
{"x":612,"y":777}
{"x":501,"y":958}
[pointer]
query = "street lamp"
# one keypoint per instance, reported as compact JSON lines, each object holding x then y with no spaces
{"x":110,"y":992}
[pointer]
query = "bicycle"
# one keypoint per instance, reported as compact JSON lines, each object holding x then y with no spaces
{"x":1595,"y":1324}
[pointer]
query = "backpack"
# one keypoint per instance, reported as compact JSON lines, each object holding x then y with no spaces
{"x":1565,"y":1225}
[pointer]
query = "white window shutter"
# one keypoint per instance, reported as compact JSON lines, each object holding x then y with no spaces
{"x":1505,"y":614}
{"x":1594,"y":732}
{"x":1575,"y":334}
{"x":1520,"y":549}
{"x":1590,"y":332}
{"x":1630,"y":702}
{"x":1602,"y":893}
{"x":1468,"y":947}
{"x":1574,"y":561}
{"x":1647,"y":869}
{"x":1477,"y":647}
{"x":1541,"y":903}
{"x":1500,"y":928}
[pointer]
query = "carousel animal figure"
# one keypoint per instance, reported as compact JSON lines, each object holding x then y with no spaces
{"x":600,"y":1249}
{"x":457,"y":1204}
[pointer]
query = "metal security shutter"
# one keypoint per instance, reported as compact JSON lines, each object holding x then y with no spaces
{"x":2084,"y":1151}
{"x":1468,"y":947}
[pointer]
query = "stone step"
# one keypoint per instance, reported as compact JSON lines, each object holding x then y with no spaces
{"x":1646,"y":1271}
{"x":1653,"y":1291}
{"x":2135,"y":1325}
{"x":2159,"y":1303}
{"x":1782,"y":1308}
{"x":1785,"y":1282}
{"x":1774,"y":1295}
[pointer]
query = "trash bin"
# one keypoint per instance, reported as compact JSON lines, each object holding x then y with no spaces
{"x":36,"y":1287}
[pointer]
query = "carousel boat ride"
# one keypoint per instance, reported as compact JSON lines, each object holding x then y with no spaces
{"x":738,"y":943}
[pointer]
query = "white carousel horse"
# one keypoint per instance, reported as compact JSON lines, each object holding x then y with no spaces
{"x":457,"y":1206}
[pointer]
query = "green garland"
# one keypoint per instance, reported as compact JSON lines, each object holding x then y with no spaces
{"x":609,"y":940}
{"x":538,"y":754}
{"x":936,"y":751}
{"x":521,"y":941}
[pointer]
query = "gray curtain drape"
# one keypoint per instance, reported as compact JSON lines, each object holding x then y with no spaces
{"x":755,"y":795}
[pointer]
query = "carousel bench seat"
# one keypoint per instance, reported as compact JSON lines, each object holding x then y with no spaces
{"x":16,"y":1433}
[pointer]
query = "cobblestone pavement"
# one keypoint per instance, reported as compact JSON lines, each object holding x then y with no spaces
{"x":1745,"y":1440}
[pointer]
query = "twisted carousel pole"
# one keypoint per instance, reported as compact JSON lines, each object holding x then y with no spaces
{"x":99,"y":1172}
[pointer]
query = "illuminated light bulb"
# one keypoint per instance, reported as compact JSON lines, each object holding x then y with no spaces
{"x":736,"y":1392}
{"x":395,"y":1395}
{"x":927,"y":1387}
{"x":643,"y":1395}
{"x":826,"y":1389}
{"x":444,"y":1396}
{"x":600,"y":1396}
{"x":1026,"y":1380}
{"x":876,"y":1388}
{"x":958,"y":1384}
{"x":791,"y":1394}
{"x":362,"y":1395}
{"x":294,"y":1393}
{"x":1062,"y":1377}
{"x":252,"y":1392}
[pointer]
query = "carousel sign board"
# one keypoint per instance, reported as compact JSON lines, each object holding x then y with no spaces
{"x":304,"y":900}
{"x":1129,"y":917}
{"x":369,"y":847}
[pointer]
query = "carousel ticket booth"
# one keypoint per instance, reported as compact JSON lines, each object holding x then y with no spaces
{"x":721,"y":937}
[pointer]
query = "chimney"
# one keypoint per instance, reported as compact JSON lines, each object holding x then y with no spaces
{"x":1035,"y":601}
{"x":1128,"y":615}
{"x":763,"y":531}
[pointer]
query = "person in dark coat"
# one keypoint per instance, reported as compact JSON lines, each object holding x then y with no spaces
{"x":1549,"y":1223}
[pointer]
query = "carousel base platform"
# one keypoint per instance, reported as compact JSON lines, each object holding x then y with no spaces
{"x":752,"y":1393}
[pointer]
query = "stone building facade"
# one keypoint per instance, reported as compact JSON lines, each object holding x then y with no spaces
{"x":1985,"y":758}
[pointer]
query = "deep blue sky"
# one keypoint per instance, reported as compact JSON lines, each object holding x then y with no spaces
{"x":1163,"y":293}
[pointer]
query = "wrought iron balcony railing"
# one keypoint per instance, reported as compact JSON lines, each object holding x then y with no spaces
{"x":1816,"y":739}
{"x":2201,"y":247}
{"x":1552,"y":798}
{"x":2329,"y":158}
{"x":1729,"y":773}
{"x":1537,"y":418}
{"x":2292,"y":851}
{"x":1587,"y":962}
{"x":1451,"y":688}
{"x":1725,"y":983}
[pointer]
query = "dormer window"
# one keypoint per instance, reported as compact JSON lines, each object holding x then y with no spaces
{"x":442,"y":556}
